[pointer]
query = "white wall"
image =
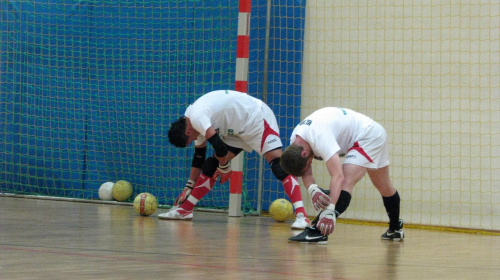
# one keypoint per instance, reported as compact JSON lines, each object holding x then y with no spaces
{"x":429,"y":72}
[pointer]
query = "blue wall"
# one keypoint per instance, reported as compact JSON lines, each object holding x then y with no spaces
{"x":88,"y":89}
{"x":284,"y":80}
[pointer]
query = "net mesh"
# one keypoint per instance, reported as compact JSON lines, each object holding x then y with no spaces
{"x":88,"y":90}
{"x":429,"y":73}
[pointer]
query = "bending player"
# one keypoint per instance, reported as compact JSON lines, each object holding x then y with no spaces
{"x":230,"y":121}
{"x":327,"y":134}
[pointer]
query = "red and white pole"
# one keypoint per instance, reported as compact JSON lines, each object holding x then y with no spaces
{"x":241,"y":84}
{"x":243,"y":46}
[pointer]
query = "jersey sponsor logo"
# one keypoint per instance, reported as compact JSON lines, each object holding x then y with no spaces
{"x":230,"y":131}
{"x":267,"y":131}
{"x":350,"y":156}
{"x":306,"y":122}
{"x":271,"y":141}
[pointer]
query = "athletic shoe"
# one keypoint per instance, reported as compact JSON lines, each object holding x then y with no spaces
{"x":177,"y":213}
{"x":395,"y":235}
{"x":310,"y":235}
{"x":301,"y":222}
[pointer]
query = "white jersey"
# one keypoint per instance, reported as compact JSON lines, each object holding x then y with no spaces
{"x":239,"y":119}
{"x":332,"y":130}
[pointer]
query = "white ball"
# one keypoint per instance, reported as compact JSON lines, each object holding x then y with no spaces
{"x":106,"y":191}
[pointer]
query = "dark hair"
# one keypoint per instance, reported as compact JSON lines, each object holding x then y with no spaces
{"x":292,"y":160}
{"x":177,"y":133}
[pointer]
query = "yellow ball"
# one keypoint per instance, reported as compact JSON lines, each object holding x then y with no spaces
{"x":122,"y":190}
{"x":145,"y":204}
{"x":281,"y":210}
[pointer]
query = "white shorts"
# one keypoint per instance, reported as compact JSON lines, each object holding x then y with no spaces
{"x":263,"y":135}
{"x":371,"y":150}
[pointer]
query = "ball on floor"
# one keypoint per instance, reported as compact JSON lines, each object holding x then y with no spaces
{"x":145,"y":204}
{"x":106,"y":191}
{"x":281,"y":210}
{"x":122,"y":190}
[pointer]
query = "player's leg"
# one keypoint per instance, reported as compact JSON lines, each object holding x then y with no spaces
{"x":205,"y":183}
{"x":202,"y":187}
{"x":390,"y":196}
{"x":265,"y":140}
{"x":352,"y":174}
{"x":291,"y":187}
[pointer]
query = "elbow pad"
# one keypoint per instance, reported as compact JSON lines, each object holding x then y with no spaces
{"x":220,"y":147}
{"x":199,"y":157}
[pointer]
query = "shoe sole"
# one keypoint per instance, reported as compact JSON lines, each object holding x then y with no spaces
{"x":393,"y":239}
{"x":312,"y":243}
{"x":176,"y":219}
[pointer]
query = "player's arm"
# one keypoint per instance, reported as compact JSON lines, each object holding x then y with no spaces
{"x":221,"y":153}
{"x":327,"y":217}
{"x":308,"y":178}
{"x":199,"y":156}
{"x":319,"y":197}
{"x":334,"y":167}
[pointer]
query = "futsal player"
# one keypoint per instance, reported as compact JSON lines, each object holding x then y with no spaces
{"x":230,"y":121}
{"x":327,"y":134}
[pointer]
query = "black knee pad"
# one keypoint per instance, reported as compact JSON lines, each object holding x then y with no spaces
{"x":278,"y":172}
{"x":209,"y":166}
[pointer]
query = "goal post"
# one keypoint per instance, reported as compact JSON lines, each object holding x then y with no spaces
{"x":241,"y":85}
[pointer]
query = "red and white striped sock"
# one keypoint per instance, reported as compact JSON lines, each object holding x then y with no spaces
{"x":292,"y":190}
{"x":203,"y":185}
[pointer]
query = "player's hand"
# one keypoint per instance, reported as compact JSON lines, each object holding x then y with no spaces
{"x":223,"y":172}
{"x":327,"y":220}
{"x":185,"y":193}
{"x":320,"y":200}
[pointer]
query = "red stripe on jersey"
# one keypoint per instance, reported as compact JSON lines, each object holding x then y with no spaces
{"x":267,"y":131}
{"x":361,"y":151}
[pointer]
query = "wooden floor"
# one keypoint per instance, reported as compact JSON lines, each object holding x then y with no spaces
{"x":46,"y":239}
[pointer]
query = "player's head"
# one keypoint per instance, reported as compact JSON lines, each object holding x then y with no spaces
{"x":293,"y":160}
{"x":177,"y":133}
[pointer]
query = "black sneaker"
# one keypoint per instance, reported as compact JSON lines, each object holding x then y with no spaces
{"x":310,"y":235}
{"x":396,"y":235}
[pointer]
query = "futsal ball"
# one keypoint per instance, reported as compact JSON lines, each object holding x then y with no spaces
{"x":281,"y":210}
{"x":145,"y":204}
{"x":106,"y":191}
{"x":122,"y":190}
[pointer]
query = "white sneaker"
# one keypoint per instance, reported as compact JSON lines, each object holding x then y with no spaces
{"x":177,"y":213}
{"x":301,"y":222}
